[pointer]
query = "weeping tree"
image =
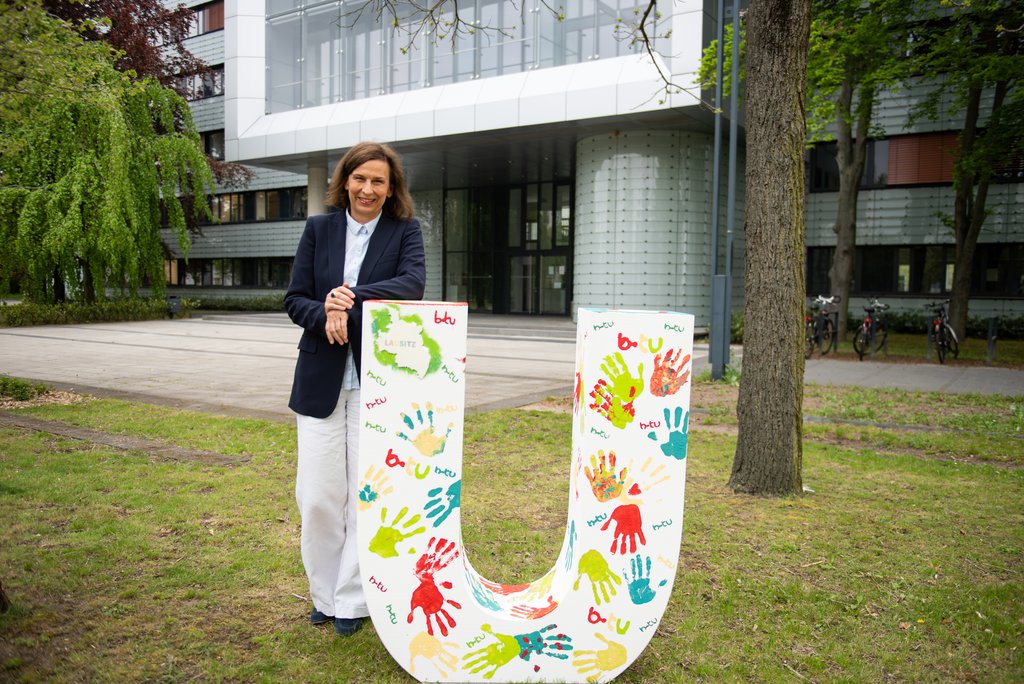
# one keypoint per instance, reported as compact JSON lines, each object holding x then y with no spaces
{"x":92,"y":163}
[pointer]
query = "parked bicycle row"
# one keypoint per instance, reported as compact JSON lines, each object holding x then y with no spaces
{"x":870,"y":337}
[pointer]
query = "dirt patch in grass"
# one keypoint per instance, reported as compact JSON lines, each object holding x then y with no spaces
{"x":153,"y":448}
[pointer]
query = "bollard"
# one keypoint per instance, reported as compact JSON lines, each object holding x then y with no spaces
{"x":993,"y":327}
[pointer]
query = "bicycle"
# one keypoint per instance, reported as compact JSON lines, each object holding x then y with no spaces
{"x":873,"y":331}
{"x":819,"y":328}
{"x":940,"y":332}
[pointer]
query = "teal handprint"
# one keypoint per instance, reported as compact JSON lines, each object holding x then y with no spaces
{"x":640,"y":590}
{"x":440,"y":508}
{"x":595,"y":567}
{"x":675,"y":446}
{"x":388,"y":536}
{"x":553,"y":646}
{"x":614,"y":397}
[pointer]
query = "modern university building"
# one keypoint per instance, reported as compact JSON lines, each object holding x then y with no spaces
{"x":549,"y":168}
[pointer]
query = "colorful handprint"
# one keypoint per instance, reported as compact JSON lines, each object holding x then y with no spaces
{"x":595,"y":567}
{"x":594,"y":664}
{"x":628,"y":527}
{"x":440,"y":653}
{"x":614,"y":397}
{"x":440,"y":508}
{"x":640,"y":590}
{"x":605,"y":484}
{"x":374,"y":486}
{"x":386,"y":539}
{"x":675,"y":445}
{"x":426,"y":441}
{"x":427,"y":597}
{"x":554,"y":645}
{"x":668,"y":376}
{"x":526,"y":611}
{"x":493,"y":656}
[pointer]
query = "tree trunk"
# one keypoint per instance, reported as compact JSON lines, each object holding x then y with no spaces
{"x":769,"y":451}
{"x":969,"y":207}
{"x":851,"y":149}
{"x":5,"y":603}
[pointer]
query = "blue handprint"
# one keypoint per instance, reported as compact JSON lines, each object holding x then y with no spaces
{"x":640,"y":590}
{"x":441,"y":509}
{"x":677,"y":438}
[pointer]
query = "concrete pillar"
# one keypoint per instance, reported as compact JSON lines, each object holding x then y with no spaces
{"x":316,"y":188}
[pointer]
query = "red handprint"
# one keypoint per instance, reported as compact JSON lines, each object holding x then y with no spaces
{"x":440,"y":552}
{"x":667,"y":378}
{"x":529,"y":612}
{"x":628,"y":524}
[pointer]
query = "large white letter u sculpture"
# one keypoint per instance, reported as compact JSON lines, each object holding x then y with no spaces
{"x":593,"y":613}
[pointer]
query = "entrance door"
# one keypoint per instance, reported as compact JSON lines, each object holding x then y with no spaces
{"x":540,"y":244}
{"x":508,"y":250}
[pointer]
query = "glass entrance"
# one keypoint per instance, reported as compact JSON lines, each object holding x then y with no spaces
{"x":508,"y":250}
{"x":540,"y":246}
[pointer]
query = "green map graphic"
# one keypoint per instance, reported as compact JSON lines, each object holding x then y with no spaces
{"x":401,"y":342}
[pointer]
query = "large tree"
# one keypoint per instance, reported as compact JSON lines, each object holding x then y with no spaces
{"x":92,"y":162}
{"x":974,"y":56}
{"x":149,"y":38}
{"x":855,"y":52}
{"x":769,"y":449}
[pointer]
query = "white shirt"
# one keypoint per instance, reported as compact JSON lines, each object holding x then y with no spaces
{"x":356,"y":242}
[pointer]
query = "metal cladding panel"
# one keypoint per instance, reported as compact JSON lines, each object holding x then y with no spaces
{"x":642,"y":222}
{"x":898,"y":216}
{"x":429,"y":206}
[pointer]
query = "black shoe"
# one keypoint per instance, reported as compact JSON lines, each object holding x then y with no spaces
{"x":347,"y":626}
{"x":318,"y":618}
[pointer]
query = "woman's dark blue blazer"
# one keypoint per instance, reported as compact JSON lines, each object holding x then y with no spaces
{"x":394,"y":268}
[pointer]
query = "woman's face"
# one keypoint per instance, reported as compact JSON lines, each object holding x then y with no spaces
{"x":368,"y":186}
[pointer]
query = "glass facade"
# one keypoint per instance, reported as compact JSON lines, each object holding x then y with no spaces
{"x":324,"y":52}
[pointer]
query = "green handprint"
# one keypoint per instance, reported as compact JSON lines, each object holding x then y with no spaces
{"x":492,"y":656}
{"x":595,"y":567}
{"x":675,"y":447}
{"x":614,"y":399}
{"x":387,"y":537}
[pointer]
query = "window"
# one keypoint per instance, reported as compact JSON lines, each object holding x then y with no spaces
{"x":330,"y":51}
{"x":922,"y":159}
{"x":213,"y":143}
{"x":269,"y":272}
{"x":201,"y":86}
{"x":207,"y":18}
{"x":824,"y":170}
{"x":262,"y":205}
{"x":922,"y":270}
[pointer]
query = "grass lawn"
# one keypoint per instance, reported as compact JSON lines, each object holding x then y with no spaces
{"x":903,"y":564}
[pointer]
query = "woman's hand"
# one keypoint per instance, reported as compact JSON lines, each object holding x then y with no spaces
{"x":336,"y":304}
{"x":337,"y":327}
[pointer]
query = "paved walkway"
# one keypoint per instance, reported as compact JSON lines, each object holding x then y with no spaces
{"x":242,"y":364}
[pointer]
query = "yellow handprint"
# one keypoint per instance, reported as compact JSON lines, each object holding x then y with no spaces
{"x":438,"y":652}
{"x":427,"y":442}
{"x":595,"y":663}
{"x":373,"y":486}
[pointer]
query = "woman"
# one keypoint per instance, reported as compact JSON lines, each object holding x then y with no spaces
{"x":372,"y":249}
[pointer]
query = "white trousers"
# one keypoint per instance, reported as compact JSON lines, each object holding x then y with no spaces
{"x":326,"y":490}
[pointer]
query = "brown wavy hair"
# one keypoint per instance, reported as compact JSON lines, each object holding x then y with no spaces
{"x":399,"y":205}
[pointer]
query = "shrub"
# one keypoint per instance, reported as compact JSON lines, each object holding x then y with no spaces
{"x":29,"y":313}
{"x":271,"y":302}
{"x":20,"y":390}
